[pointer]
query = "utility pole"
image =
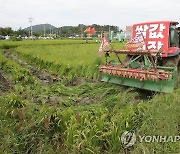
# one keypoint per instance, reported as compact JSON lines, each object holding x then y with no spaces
{"x":81,"y":31}
{"x":30,"y":20}
{"x":29,"y":31}
{"x":50,"y":31}
{"x":109,"y":31}
{"x":44,"y":31}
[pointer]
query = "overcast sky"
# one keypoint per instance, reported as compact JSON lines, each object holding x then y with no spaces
{"x":15,"y":13}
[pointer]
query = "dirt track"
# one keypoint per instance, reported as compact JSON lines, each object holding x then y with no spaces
{"x":5,"y":85}
{"x":45,"y":78}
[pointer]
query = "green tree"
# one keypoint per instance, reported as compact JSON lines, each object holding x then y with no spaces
{"x":21,"y":32}
{"x":6,"y":31}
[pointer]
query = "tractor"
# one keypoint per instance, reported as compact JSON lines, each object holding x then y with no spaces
{"x":152,"y":58}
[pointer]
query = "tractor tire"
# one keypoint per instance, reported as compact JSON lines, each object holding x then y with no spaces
{"x":128,"y":57}
{"x":178,"y":67}
{"x":173,"y":62}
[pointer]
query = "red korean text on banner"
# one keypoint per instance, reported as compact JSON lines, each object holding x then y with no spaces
{"x":156,"y":34}
{"x":105,"y":42}
{"x":136,"y":43}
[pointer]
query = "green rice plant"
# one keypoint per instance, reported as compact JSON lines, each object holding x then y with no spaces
{"x":15,"y":101}
{"x":12,"y":44}
{"x":19,"y":74}
{"x":162,"y":119}
{"x":90,"y":117}
{"x":72,"y":61}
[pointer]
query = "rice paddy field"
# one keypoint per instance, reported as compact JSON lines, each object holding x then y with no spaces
{"x":52,"y":101}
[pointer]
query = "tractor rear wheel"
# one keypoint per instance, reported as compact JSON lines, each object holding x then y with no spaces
{"x":178,"y":67}
{"x":173,"y":62}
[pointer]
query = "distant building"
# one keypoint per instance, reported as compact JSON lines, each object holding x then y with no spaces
{"x":128,"y":32}
{"x":7,"y":37}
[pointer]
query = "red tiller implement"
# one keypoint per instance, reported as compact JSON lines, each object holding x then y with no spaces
{"x":140,"y":74}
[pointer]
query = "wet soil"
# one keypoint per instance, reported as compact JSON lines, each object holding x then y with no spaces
{"x":5,"y":84}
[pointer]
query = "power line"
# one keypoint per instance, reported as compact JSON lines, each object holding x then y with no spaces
{"x":11,"y":15}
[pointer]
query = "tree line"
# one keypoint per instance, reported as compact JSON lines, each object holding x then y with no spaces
{"x":67,"y":31}
{"x":64,"y":31}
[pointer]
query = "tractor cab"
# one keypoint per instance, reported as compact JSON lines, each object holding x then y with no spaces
{"x":174,"y":35}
